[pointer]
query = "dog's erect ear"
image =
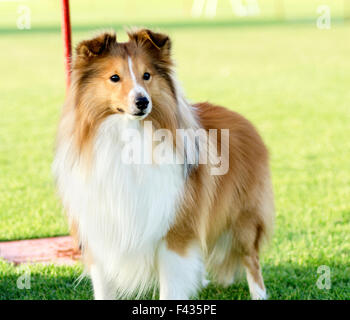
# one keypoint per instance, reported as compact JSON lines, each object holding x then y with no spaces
{"x":88,"y":49}
{"x":159,"y":41}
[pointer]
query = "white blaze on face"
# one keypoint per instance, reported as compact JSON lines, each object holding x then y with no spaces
{"x":137,"y":91}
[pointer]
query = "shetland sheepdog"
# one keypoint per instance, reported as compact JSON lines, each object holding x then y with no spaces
{"x":150,"y":224}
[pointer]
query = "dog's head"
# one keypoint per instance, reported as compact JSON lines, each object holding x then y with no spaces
{"x":123,"y":78}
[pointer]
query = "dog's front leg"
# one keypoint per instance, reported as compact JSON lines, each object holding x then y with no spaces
{"x":103,"y":289}
{"x":180,"y":275}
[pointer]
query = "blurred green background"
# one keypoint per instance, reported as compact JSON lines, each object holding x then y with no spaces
{"x":277,"y":68}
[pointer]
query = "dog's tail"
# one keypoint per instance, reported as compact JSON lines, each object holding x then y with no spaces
{"x":223,"y":263}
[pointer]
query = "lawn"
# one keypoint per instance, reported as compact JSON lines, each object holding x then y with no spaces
{"x":290,"y":79}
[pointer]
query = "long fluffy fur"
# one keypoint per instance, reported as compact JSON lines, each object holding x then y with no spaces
{"x":131,"y":219}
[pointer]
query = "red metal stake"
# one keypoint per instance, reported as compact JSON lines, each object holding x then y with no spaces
{"x":67,"y":39}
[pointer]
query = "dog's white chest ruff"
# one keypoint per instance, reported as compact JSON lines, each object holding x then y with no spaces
{"x":122,"y":210}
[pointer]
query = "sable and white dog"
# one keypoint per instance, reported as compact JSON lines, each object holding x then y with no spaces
{"x":146,"y":224}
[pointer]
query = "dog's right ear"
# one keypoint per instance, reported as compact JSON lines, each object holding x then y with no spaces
{"x":89,"y":49}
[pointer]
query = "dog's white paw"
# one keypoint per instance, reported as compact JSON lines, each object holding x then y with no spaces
{"x":205,"y":282}
{"x":259,"y":294}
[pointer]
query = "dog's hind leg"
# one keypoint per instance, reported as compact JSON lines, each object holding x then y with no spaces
{"x":254,"y":277}
{"x":180,"y":276}
{"x":250,"y":232}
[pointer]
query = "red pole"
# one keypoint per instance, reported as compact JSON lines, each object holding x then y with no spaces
{"x":67,"y":39}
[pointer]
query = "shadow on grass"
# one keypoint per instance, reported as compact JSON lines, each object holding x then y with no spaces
{"x":172,"y":25}
{"x":282,"y":282}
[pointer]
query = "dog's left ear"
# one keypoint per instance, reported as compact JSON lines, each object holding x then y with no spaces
{"x":158,"y":41}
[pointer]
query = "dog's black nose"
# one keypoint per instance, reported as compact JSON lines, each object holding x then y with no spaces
{"x":142,"y":103}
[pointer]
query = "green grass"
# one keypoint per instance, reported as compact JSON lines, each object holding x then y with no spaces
{"x":291,"y":80}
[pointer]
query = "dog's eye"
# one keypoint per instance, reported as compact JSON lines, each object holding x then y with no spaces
{"x":146,"y":76}
{"x":114,"y":78}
